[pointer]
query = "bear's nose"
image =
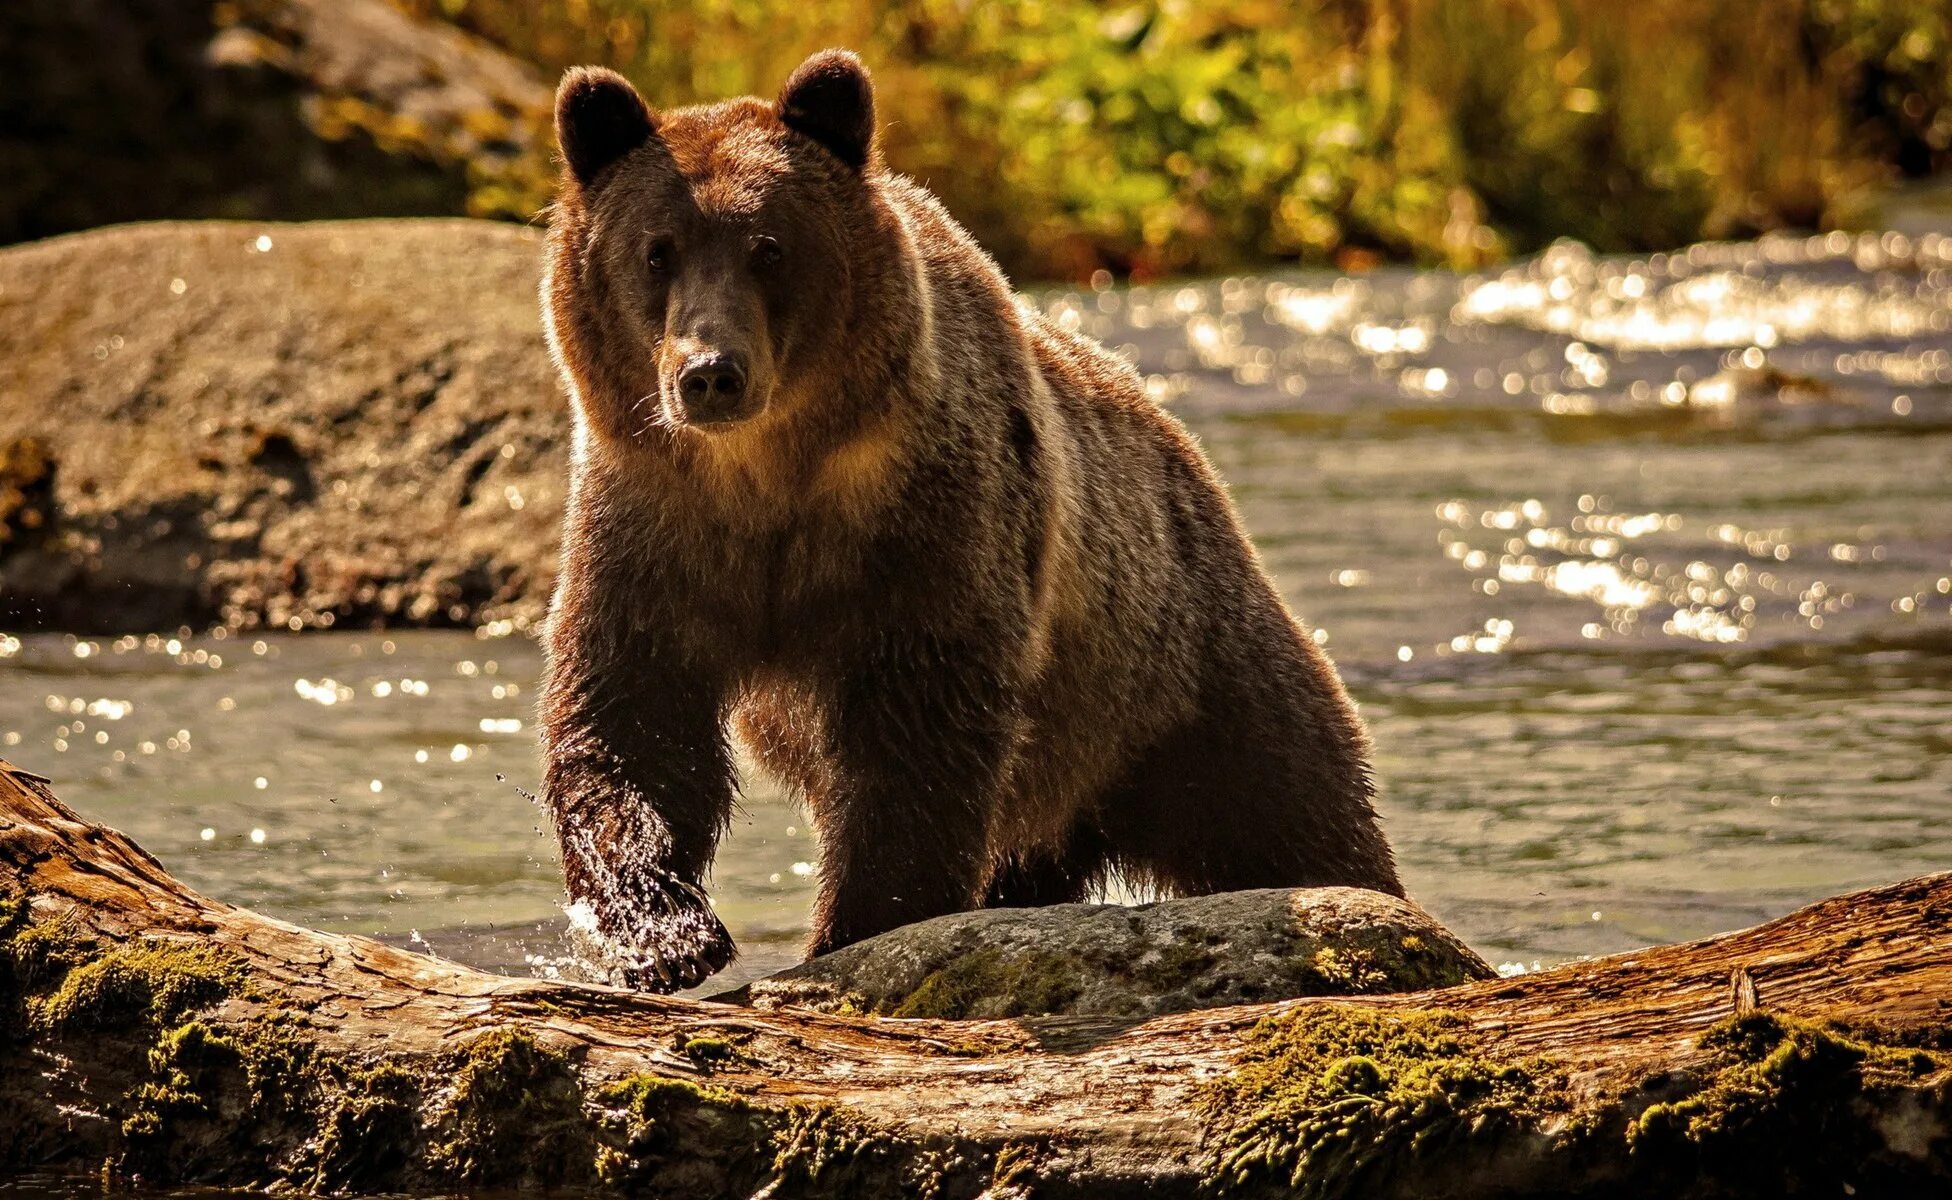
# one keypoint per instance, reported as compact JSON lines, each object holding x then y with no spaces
{"x":712,"y":381}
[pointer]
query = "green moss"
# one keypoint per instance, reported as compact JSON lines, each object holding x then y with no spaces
{"x":219,"y":1100}
{"x":46,"y":952}
{"x":832,"y":1147}
{"x":1348,"y":971}
{"x":1779,"y":1103}
{"x":286,"y":1073}
{"x":1330,"y":1101}
{"x":822,"y":1140}
{"x":1326,"y":1098}
{"x":515,"y":1114}
{"x":34,"y":956}
{"x":1015,"y":1170}
{"x":1002,"y":985}
{"x":255,"y":1103}
{"x":708,"y":1051}
{"x":15,"y":972}
{"x":186,"y":1062}
{"x":830,"y":1150}
{"x":648,"y":1099}
{"x":669,"y":1136}
{"x":371,"y":1133}
{"x":1368,"y":962}
{"x":145,"y":982}
{"x":664,"y":1136}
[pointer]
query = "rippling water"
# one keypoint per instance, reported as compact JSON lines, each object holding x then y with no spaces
{"x":1641,"y":571}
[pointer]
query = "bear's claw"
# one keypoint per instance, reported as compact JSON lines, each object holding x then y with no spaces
{"x":664,"y":938}
{"x":667,"y":971}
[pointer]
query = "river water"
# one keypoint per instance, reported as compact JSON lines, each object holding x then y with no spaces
{"x":1641,"y":570}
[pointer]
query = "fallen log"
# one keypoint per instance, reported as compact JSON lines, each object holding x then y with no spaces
{"x":156,"y":1035}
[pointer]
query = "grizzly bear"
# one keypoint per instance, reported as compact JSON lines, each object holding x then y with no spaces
{"x":947,"y":570}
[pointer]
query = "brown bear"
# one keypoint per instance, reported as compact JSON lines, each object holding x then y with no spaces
{"x":951,"y":574}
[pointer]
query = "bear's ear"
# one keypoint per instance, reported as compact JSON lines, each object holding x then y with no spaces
{"x":829,"y":98}
{"x":599,"y":119}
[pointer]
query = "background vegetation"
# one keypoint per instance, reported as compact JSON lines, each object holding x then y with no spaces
{"x":1186,"y":135}
{"x":1145,"y":138}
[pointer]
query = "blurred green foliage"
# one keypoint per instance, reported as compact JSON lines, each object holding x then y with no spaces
{"x":1184,"y":136}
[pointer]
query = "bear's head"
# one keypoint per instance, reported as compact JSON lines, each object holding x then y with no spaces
{"x":705,"y":262}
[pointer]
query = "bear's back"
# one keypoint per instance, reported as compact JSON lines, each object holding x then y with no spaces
{"x":978,"y":318}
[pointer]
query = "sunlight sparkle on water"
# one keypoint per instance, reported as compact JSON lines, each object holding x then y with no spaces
{"x":1676,"y":498}
{"x":1708,"y":296}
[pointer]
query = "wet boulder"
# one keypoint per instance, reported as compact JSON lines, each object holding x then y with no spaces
{"x":1135,"y":961}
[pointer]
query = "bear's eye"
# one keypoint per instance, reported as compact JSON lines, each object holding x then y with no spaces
{"x":765,"y":253}
{"x":658,"y":257}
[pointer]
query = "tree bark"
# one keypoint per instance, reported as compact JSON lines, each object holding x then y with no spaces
{"x":167,"y":1037}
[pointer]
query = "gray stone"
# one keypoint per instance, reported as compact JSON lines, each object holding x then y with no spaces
{"x":1140,"y":960}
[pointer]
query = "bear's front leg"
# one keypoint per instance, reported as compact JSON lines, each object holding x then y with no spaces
{"x":918,"y":743}
{"x":639,"y":780}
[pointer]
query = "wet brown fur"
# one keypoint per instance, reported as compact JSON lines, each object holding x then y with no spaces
{"x":959,"y":583}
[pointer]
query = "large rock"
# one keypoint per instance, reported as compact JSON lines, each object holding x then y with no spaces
{"x":264,"y":424}
{"x":1135,"y":961}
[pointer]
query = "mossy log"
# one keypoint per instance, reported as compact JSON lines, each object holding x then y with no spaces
{"x":152,"y":1034}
